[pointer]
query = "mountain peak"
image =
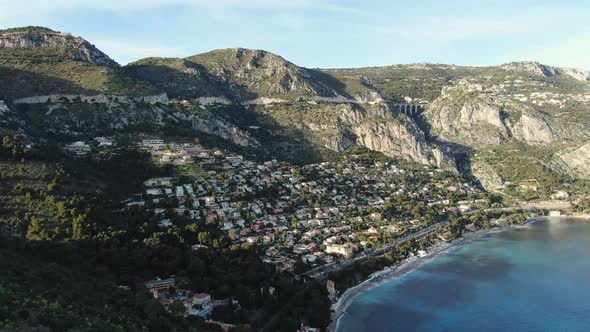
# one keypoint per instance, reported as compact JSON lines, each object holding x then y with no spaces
{"x":262,"y":73}
{"x":243,"y":57}
{"x":547,"y":71}
{"x":74,"y":48}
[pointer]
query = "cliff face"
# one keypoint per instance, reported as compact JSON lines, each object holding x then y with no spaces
{"x":215,"y":126}
{"x":475,"y":120}
{"x":534,"y":128}
{"x":401,"y":139}
{"x":487,"y":175}
{"x":378,"y":128}
{"x":467,"y":120}
{"x":575,"y":161}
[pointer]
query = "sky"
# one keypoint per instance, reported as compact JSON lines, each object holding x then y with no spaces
{"x":325,"y":33}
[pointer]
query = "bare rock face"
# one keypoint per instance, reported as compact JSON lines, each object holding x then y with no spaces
{"x":372,"y":97}
{"x":575,"y":162}
{"x":486,"y":175}
{"x":533,"y":128}
{"x":75,"y":47}
{"x":475,"y":122}
{"x":469,"y":117}
{"x":3,"y":108}
{"x":547,"y":71}
{"x":402,"y":139}
{"x":220,"y":128}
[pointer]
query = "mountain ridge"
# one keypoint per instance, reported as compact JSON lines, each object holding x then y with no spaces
{"x":464,"y":115}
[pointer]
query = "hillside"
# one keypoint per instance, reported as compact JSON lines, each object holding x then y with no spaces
{"x":243,"y":75}
{"x":258,"y":101}
{"x":40,"y":61}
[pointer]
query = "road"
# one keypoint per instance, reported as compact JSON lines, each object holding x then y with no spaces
{"x":321,"y":271}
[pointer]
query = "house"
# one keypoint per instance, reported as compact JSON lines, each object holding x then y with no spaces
{"x":376,"y":216}
{"x":157,"y":285}
{"x":471,"y":227}
{"x":464,"y":208}
{"x":154,"y":192}
{"x":308,"y":259}
{"x":103,"y":141}
{"x":165,"y":223}
{"x":201,"y":299}
{"x":160,"y":182}
{"x":560,"y":194}
{"x":152,"y":144}
{"x":389,"y":228}
{"x":78,"y":148}
{"x":345,"y":250}
{"x":308,"y":329}
{"x":209,"y":201}
{"x":372,"y":230}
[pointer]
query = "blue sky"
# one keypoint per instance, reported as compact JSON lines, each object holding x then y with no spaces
{"x":325,"y":33}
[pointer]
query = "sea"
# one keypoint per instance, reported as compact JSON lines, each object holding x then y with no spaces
{"x":535,"y":278}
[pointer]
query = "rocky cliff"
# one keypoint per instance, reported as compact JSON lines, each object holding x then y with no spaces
{"x":575,"y":161}
{"x":75,"y":48}
{"x":547,"y":71}
{"x":476,"y":119}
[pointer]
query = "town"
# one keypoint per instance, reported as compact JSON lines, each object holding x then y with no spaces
{"x":299,"y":218}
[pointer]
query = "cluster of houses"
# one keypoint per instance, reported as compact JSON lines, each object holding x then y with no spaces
{"x":177,"y":153}
{"x":81,"y":148}
{"x":310,"y":214}
{"x":195,"y":304}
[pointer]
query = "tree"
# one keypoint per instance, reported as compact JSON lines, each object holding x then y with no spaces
{"x":203,"y":237}
{"x":177,"y":308}
{"x":13,"y":145}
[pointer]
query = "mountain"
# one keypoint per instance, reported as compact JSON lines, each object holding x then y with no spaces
{"x":40,"y":61}
{"x":54,"y":44}
{"x":499,"y":125}
{"x":547,"y":71}
{"x":245,"y":76}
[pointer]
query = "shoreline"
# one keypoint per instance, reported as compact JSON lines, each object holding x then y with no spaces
{"x":407,"y":266}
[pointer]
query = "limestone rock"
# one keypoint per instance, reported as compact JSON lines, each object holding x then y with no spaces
{"x":486,"y":175}
{"x":475,"y":122}
{"x":575,"y":161}
{"x":75,"y":47}
{"x":534,"y":128}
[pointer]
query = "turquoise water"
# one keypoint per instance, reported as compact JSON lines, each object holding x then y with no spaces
{"x":530,"y":279}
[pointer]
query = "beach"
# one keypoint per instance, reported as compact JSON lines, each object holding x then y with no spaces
{"x":408,"y":266}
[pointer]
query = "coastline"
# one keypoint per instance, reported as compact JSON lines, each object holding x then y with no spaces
{"x":407,"y":266}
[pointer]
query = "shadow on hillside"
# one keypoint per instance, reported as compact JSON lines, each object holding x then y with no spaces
{"x":462,"y":154}
{"x":282,"y":142}
{"x":331,"y":82}
{"x":193,"y":83}
{"x":17,"y":83}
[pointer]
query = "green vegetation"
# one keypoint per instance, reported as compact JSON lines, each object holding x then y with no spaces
{"x":519,"y":163}
{"x":64,"y":218}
